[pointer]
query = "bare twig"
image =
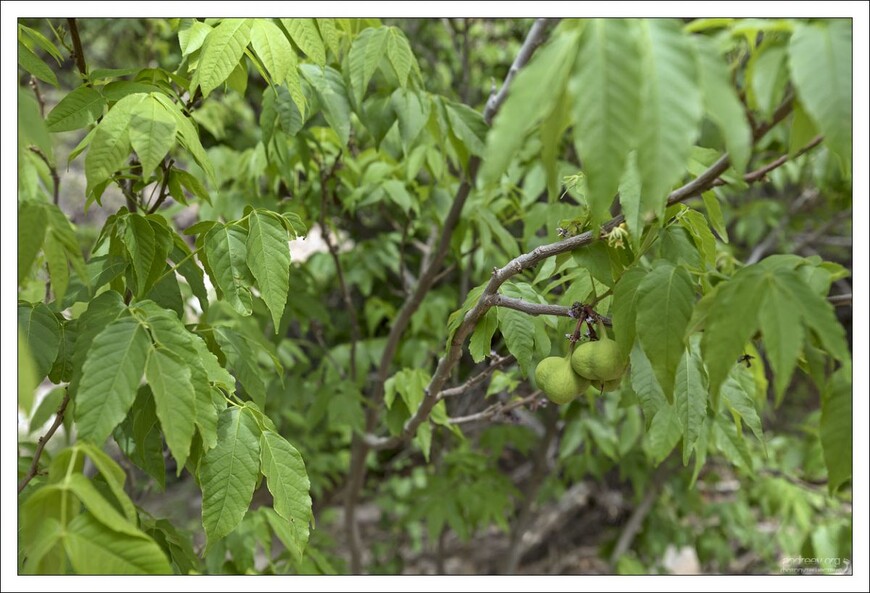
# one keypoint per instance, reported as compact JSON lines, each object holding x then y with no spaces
{"x":496,"y":363}
{"x":496,"y":409}
{"x":164,"y":187}
{"x":533,"y":40}
{"x":43,"y":440}
{"x":34,"y":84}
{"x":758,"y":174}
{"x":78,"y":54}
{"x":841,"y":300}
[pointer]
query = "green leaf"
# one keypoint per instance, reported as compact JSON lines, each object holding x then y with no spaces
{"x":60,"y":227}
{"x":694,"y":222}
{"x":767,"y":76}
{"x":330,"y":34}
{"x":606,"y":107}
{"x":779,"y":317}
{"x":152,"y":133}
{"x":645,"y":385}
{"x":467,"y":125}
{"x":242,"y":360}
{"x":400,"y":55}
{"x":820,"y":58}
{"x":727,"y":332}
{"x":27,"y":375}
{"x":714,"y":213}
{"x":46,"y":409}
{"x":191,"y":35}
{"x":45,"y":545}
{"x":518,"y":330}
{"x":175,"y":400}
{"x":288,"y":482}
{"x":802,"y":131}
{"x":624,"y":309}
{"x":835,"y":430}
{"x":110,"y":146}
{"x":99,"y":507}
{"x":412,"y":110}
{"x":738,"y":392}
{"x":188,"y":137}
{"x":113,"y":476}
{"x":41,"y":332}
{"x":722,"y":104}
{"x":79,"y":109}
{"x":664,"y":306}
{"x":221,"y":52}
{"x":276,"y":52}
{"x":140,"y":439}
{"x":269,"y":261}
{"x":227,"y":257}
{"x":731,"y":443}
{"x":141,"y":247}
{"x":663,"y":435}
{"x":110,"y":377}
{"x":479,"y":346}
{"x":690,"y":397}
{"x":58,"y":270}
{"x":670,"y":109}
{"x":37,"y":38}
{"x":817,"y":313}
{"x":366,"y":52}
{"x":304,"y":33}
{"x":94,"y":548}
{"x":32,"y":222}
{"x":31,"y":63}
{"x":228,"y":474}
{"x":532,"y":95}
{"x":332,"y":94}
{"x":101,"y":311}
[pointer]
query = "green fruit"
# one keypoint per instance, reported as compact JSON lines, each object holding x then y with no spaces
{"x":558,"y":381}
{"x":606,"y":386}
{"x":599,"y":361}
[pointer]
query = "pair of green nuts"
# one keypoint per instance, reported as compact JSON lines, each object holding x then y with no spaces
{"x":599,"y":363}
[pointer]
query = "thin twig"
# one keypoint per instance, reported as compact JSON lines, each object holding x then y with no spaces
{"x":841,"y":300}
{"x":496,"y":363}
{"x":39,"y":99}
{"x":78,"y":54}
{"x":43,"y":440}
{"x":496,"y":409}
{"x":500,"y":300}
{"x":164,"y":187}
{"x":55,"y":178}
{"x":758,"y":174}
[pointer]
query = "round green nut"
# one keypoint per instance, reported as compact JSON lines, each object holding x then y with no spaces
{"x":598,"y":361}
{"x":558,"y":381}
{"x":606,"y":386}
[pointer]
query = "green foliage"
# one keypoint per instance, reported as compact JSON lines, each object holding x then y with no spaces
{"x":276,"y":376}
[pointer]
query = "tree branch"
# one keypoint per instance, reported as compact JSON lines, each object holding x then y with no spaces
{"x":78,"y":54}
{"x":528,"y":260}
{"x":841,"y":300}
{"x":43,"y":440}
{"x":533,"y":40}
